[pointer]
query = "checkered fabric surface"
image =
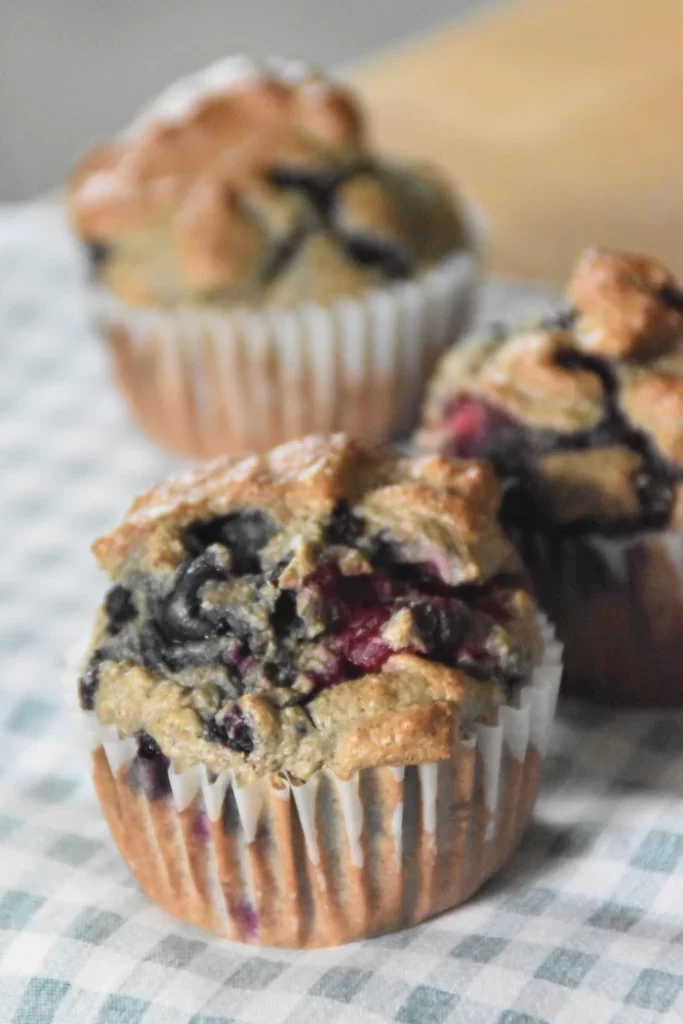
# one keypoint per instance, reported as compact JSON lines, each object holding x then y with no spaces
{"x":585,"y":925}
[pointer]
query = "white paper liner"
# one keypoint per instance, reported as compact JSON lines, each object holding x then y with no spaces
{"x":617,"y":603}
{"x":357,"y":882}
{"x":204,"y":381}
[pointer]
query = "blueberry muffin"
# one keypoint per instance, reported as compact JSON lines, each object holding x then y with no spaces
{"x":259,"y":271}
{"x":581,"y":416}
{"x":317,"y":690}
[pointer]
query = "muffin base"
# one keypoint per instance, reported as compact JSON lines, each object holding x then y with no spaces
{"x":617,"y":604}
{"x":204,"y":382}
{"x":330,"y":861}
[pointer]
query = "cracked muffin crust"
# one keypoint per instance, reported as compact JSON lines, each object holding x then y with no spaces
{"x":581,"y":414}
{"x":259,"y":273}
{"x":253,"y":184}
{"x":329,"y":604}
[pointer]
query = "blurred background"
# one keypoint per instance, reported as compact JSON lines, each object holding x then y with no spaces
{"x":560,"y":119}
{"x":73,"y":72}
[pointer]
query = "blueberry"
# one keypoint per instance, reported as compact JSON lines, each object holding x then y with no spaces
{"x":654,"y":483}
{"x":161,"y":654}
{"x":441,"y":626}
{"x":476,"y":660}
{"x":392,"y":260}
{"x":90,"y":681}
{"x":245,"y":533}
{"x":98,"y":254}
{"x":179,"y":615}
{"x":671,"y":295}
{"x":152,"y":767}
{"x":563,"y":320}
{"x":153,"y":647}
{"x":148,"y":748}
{"x":284,"y":618}
{"x":195,"y":654}
{"x":120,"y":608}
{"x":317,"y":184}
{"x":570,"y":359}
{"x":344,"y":526}
{"x":283,"y":254}
{"x":232,"y":730}
{"x":655,"y":494}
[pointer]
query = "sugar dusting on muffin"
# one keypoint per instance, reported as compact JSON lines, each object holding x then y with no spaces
{"x":580,"y":414}
{"x":326,"y":604}
{"x":252,"y":184}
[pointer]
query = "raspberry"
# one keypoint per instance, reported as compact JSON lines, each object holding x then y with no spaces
{"x":361,"y":642}
{"x":477,"y":428}
{"x":232,"y":730}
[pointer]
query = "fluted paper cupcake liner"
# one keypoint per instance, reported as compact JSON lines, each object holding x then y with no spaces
{"x":617,"y":604}
{"x":204,"y":381}
{"x":278,"y":864}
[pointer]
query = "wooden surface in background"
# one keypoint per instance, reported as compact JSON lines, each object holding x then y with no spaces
{"x":563,"y":119}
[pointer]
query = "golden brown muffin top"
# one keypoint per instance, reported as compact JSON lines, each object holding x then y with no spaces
{"x":327,"y":603}
{"x":239,"y":181}
{"x":590,"y":400}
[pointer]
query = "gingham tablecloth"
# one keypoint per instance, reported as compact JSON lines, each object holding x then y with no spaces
{"x":585,"y":925}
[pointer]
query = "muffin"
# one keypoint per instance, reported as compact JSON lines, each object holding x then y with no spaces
{"x":581,"y":415}
{"x":259,"y":272}
{"x":317,"y":693}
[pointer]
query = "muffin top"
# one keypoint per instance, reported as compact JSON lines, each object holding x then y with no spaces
{"x":580,"y":414}
{"x":325,"y":604}
{"x":252,"y":184}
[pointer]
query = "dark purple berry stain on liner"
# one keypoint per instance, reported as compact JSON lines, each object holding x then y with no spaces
{"x":149,"y":770}
{"x":202,"y":826}
{"x":247,"y":917}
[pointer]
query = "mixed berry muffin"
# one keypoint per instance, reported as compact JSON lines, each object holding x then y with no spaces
{"x":581,"y":416}
{"x":259,"y":271}
{"x":317,"y":690}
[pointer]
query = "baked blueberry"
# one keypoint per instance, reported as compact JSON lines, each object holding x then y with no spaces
{"x":89,"y":682}
{"x":232,"y":730}
{"x":150,"y":769}
{"x":120,"y":608}
{"x":98,"y":254}
{"x":672,"y":295}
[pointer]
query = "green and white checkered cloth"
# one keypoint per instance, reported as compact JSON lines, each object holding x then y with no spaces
{"x":585,"y":925}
